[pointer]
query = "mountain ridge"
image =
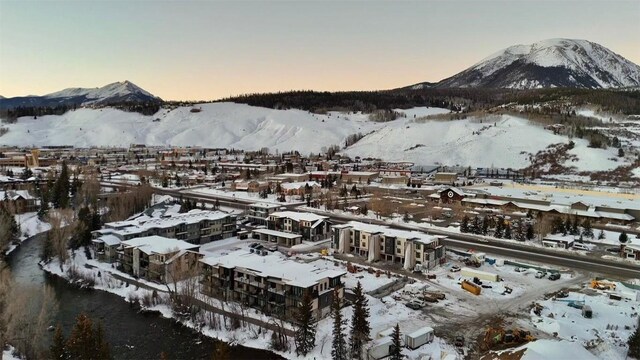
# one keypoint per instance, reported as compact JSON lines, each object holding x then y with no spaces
{"x":547,"y":64}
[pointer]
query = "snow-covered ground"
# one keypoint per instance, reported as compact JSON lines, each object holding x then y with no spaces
{"x":243,"y":195}
{"x":29,"y":225}
{"x":475,"y":141}
{"x":606,"y":333}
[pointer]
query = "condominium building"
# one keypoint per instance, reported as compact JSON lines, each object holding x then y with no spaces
{"x":195,"y":227}
{"x":312,"y":227}
{"x":259,"y":212}
{"x":158,"y":258}
{"x":271,"y":283}
{"x":380,"y":243}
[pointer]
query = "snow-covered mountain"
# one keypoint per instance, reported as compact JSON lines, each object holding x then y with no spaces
{"x":479,"y":142}
{"x":549,"y":63}
{"x":116,"y":93}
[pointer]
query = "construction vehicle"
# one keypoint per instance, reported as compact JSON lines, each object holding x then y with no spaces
{"x":602,"y":284}
{"x":496,"y":336}
{"x":324,"y":252}
{"x":471,"y":287}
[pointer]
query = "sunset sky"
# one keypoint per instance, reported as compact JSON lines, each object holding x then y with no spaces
{"x":201,"y":50}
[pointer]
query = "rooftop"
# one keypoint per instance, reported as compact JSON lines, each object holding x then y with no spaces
{"x":158,"y":244}
{"x":273,"y":265}
{"x":298,"y":216}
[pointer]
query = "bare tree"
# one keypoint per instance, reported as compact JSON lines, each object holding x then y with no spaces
{"x":27,"y":312}
{"x":62,"y":228}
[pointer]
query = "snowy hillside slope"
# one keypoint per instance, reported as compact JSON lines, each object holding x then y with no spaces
{"x":501,"y":141}
{"x":216,"y":125}
{"x":550,"y":63}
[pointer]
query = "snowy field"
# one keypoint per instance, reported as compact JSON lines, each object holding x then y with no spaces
{"x":243,"y":195}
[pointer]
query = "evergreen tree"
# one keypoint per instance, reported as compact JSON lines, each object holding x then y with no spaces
{"x":499,"y":228}
{"x":339,"y":344}
{"x":507,"y":231}
{"x":574,"y":226}
{"x":44,"y":205}
{"x":396,"y":346}
{"x":85,"y":343}
{"x":485,"y":226}
{"x":587,"y":231}
{"x":406,"y":217}
{"x":177,"y":181}
{"x":305,"y":335}
{"x":60,"y":191}
{"x":634,"y":343}
{"x":601,"y":235}
{"x":567,"y":227}
{"x":476,"y":227}
{"x":464,"y":224}
{"x":58,"y":350}
{"x":360,"y":327}
{"x":530,"y":232}
{"x":623,"y":238}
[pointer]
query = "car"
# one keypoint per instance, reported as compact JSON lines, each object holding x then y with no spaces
{"x":415,"y":304}
{"x":519,"y":269}
{"x":562,"y":294}
{"x":540,"y":274}
{"x":455,"y":268}
{"x":554,"y":276}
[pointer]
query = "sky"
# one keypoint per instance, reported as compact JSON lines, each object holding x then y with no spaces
{"x":205,"y":50}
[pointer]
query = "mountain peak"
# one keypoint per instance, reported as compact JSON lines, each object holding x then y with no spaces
{"x":555,"y":62}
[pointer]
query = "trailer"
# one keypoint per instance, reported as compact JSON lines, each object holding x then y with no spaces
{"x":380,"y":348}
{"x":482,"y":275}
{"x":419,"y":337}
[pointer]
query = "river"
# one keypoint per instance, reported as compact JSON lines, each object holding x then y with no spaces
{"x":131,"y":334}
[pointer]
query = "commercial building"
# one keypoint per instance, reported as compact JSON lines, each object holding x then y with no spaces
{"x":271,"y":283}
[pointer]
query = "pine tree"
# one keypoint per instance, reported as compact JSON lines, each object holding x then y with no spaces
{"x":574,"y":226}
{"x":601,"y":235}
{"x":587,"y":231}
{"x":499,"y":228}
{"x":485,"y":226}
{"x":85,"y":343}
{"x":530,"y":233}
{"x":396,"y":345}
{"x":360,"y":327}
{"x":476,"y":227}
{"x":44,"y":205}
{"x":58,"y":350}
{"x":339,"y":344}
{"x":60,"y":190}
{"x":634,"y":343}
{"x":507,"y":231}
{"x":464,"y":224}
{"x":305,"y":336}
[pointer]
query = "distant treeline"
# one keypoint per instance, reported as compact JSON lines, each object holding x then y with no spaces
{"x":467,"y":99}
{"x":10,"y":115}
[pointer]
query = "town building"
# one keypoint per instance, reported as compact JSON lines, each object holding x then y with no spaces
{"x":157,"y":258}
{"x":195,"y":227}
{"x":270,"y":283}
{"x":380,"y":243}
{"x":19,"y":200}
{"x":258,"y":213}
{"x":311,"y":227}
{"x":300,"y":188}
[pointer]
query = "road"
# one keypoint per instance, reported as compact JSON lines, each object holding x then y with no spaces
{"x":465,"y":241}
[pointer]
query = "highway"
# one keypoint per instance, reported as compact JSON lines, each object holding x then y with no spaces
{"x":463,"y":241}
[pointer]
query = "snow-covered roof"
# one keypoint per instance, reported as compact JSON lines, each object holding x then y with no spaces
{"x":298,"y":216}
{"x":144,"y":223}
{"x":265,"y":205}
{"x":109,"y":240}
{"x":277,"y":233}
{"x":158,"y":244}
{"x":403,"y":234}
{"x":274,"y":266}
{"x":298,"y":185}
{"x":16,"y":194}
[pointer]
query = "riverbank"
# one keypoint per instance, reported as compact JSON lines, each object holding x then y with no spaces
{"x":153,"y":297}
{"x":30,"y":225}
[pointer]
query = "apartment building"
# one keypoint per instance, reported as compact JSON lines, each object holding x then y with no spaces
{"x":311,"y":226}
{"x":195,"y":227}
{"x":380,"y":243}
{"x":270,"y":283}
{"x":259,"y":212}
{"x":158,"y":258}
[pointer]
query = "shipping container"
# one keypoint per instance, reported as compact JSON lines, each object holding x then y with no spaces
{"x":471,"y":287}
{"x":419,"y":337}
{"x":380,"y":348}
{"x":482,"y":275}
